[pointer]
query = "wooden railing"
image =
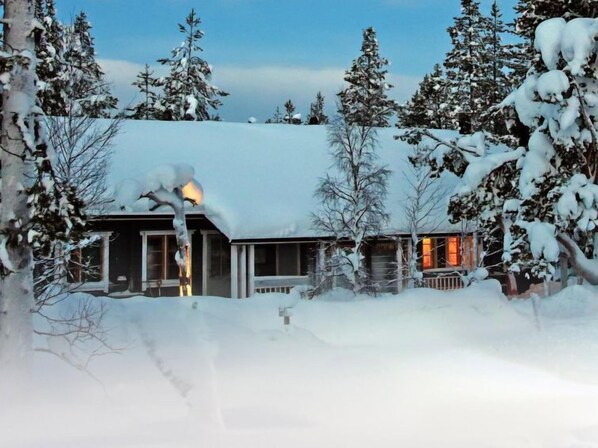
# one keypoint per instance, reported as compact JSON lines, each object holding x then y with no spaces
{"x":444,"y":283}
{"x":274,"y":289}
{"x":279,"y":284}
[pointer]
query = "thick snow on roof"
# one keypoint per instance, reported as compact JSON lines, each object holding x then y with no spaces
{"x":258,"y":180}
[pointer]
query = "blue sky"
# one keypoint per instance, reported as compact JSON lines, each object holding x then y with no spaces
{"x":266,"y":51}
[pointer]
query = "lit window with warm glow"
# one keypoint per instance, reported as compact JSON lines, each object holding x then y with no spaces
{"x":453,"y":251}
{"x":427,"y":248}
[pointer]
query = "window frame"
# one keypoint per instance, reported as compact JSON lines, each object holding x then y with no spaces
{"x":104,"y":283}
{"x":457,"y":240}
{"x":165,"y":283}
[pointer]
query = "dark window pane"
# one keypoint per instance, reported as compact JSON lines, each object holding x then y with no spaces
{"x":172,"y":268}
{"x":265,"y":260}
{"x":219,"y":256}
{"x":308,"y":258}
{"x":288,"y":261}
{"x":155,"y":258}
{"x":92,"y":262}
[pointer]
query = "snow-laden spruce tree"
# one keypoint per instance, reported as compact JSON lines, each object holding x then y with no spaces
{"x":146,"y":108}
{"x":316,"y":111}
{"x":467,"y":67}
{"x":277,"y":118}
{"x":530,"y":13}
{"x":498,"y":83}
{"x":353,"y":195}
{"x":364,"y":101}
{"x":428,"y":107}
{"x":289,"y":109}
{"x":51,"y":73}
{"x":86,"y":90}
{"x":543,"y":198}
{"x":188,"y":94}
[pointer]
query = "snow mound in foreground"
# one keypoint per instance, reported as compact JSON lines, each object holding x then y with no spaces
{"x":420,"y":369}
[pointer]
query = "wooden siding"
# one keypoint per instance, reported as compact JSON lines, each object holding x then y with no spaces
{"x":126,"y":247}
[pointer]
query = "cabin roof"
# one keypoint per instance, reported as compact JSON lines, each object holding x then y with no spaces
{"x":258,"y":179}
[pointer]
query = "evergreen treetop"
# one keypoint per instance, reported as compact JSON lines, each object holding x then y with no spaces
{"x":188,"y":95}
{"x":147,"y":108}
{"x":316,"y":111}
{"x":467,"y":66}
{"x":428,"y":107}
{"x":87,"y":92}
{"x":364,"y":101}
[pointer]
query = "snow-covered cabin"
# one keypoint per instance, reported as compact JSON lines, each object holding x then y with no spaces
{"x":253,"y":233}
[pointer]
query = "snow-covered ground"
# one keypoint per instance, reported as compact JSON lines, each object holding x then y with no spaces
{"x":421,"y":369}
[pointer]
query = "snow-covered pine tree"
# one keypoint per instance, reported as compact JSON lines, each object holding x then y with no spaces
{"x":498,"y":83}
{"x":50,"y":56}
{"x":87,"y":92}
{"x":276,"y":118}
{"x":530,"y":13}
{"x":188,"y":95}
{"x":428,"y":106}
{"x":290,"y":116}
{"x":467,"y":67}
{"x":364,"y":101}
{"x":146,"y":83}
{"x":353,"y":199}
{"x":289,"y":109}
{"x":316,"y":111}
{"x":543,"y":198}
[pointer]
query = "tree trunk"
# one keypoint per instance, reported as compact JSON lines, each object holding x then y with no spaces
{"x":16,"y":282}
{"x":182,"y":239}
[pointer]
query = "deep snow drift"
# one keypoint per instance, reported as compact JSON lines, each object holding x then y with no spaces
{"x":421,"y":369}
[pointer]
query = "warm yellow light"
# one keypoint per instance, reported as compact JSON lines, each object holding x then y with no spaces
{"x":427,"y":253}
{"x":453,"y":251}
{"x":193,"y":192}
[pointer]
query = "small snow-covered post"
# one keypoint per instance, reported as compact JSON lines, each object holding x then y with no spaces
{"x":168,"y":185}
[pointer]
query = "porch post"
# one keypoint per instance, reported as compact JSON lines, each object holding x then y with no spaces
{"x":143,"y":261}
{"x":234,"y":272}
{"x":243,"y":272}
{"x":399,"y":265}
{"x":410,"y":263}
{"x":321,"y":275}
{"x":106,"y":260}
{"x":251,"y":268}
{"x":476,"y":255}
{"x":204,"y":264}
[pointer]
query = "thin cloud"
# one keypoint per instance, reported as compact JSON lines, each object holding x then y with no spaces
{"x":256,"y":91}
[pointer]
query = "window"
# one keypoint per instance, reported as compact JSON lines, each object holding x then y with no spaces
{"x":219,"y":256}
{"x":86,"y":265}
{"x":469,"y":255}
{"x":428,"y":253}
{"x":453,"y":251}
{"x":159,"y":249}
{"x":307,"y":255}
{"x":161,"y":262}
{"x":265,"y":260}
